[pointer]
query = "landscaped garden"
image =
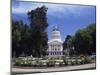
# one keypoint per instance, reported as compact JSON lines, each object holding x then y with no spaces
{"x":53,"y":61}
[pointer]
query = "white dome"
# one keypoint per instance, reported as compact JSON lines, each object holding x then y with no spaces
{"x":53,"y":40}
{"x":55,"y":35}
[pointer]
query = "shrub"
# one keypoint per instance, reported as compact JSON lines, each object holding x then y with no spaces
{"x":78,"y":61}
{"x":93,"y":58}
{"x":73,"y":62}
{"x":61,"y":63}
{"x":65,"y":61}
{"x":20,"y":62}
{"x":85,"y":59}
{"x":27,"y":63}
{"x":51,"y":62}
{"x":38,"y":63}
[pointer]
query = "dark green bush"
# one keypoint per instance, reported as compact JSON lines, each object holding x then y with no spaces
{"x":61,"y":64}
{"x":73,"y":62}
{"x":51,"y":62}
{"x":65,"y":61}
{"x":20,"y":62}
{"x":85,"y":60}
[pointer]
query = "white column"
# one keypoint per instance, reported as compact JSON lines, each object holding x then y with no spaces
{"x":61,"y":47}
{"x":53,"y":48}
{"x":57,"y":49}
{"x":50,"y":50}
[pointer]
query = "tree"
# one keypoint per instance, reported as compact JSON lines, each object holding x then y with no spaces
{"x":68,"y":45}
{"x":26,"y":40}
{"x":92,"y":32}
{"x":16,"y":38}
{"x":38,"y":24}
{"x":31,"y":39}
{"x":65,"y":42}
{"x":85,"y":40}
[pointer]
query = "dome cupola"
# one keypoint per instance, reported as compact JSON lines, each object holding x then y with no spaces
{"x":56,"y":33}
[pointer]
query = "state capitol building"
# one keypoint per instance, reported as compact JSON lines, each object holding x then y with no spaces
{"x":55,"y":47}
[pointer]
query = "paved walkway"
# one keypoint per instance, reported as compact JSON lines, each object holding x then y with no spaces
{"x":54,"y":69}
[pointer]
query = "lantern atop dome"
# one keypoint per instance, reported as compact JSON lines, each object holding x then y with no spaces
{"x":55,"y":28}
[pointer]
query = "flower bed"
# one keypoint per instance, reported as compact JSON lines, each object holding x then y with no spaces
{"x":52,"y":62}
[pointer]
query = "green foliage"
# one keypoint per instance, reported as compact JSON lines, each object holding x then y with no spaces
{"x":65,"y":42}
{"x":38,"y":23}
{"x":51,"y":62}
{"x":85,"y":59}
{"x":31,"y":39}
{"x":65,"y":61}
{"x":20,"y":62}
{"x":85,"y":40}
{"x":16,"y":37}
{"x":61,"y":63}
{"x":68,"y":46}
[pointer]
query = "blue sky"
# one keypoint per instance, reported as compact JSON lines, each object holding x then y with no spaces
{"x":69,"y":18}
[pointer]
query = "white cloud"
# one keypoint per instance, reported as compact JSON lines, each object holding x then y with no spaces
{"x":23,"y":7}
{"x":58,"y":10}
{"x":53,"y":9}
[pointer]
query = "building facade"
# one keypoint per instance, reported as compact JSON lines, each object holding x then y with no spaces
{"x":55,"y":47}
